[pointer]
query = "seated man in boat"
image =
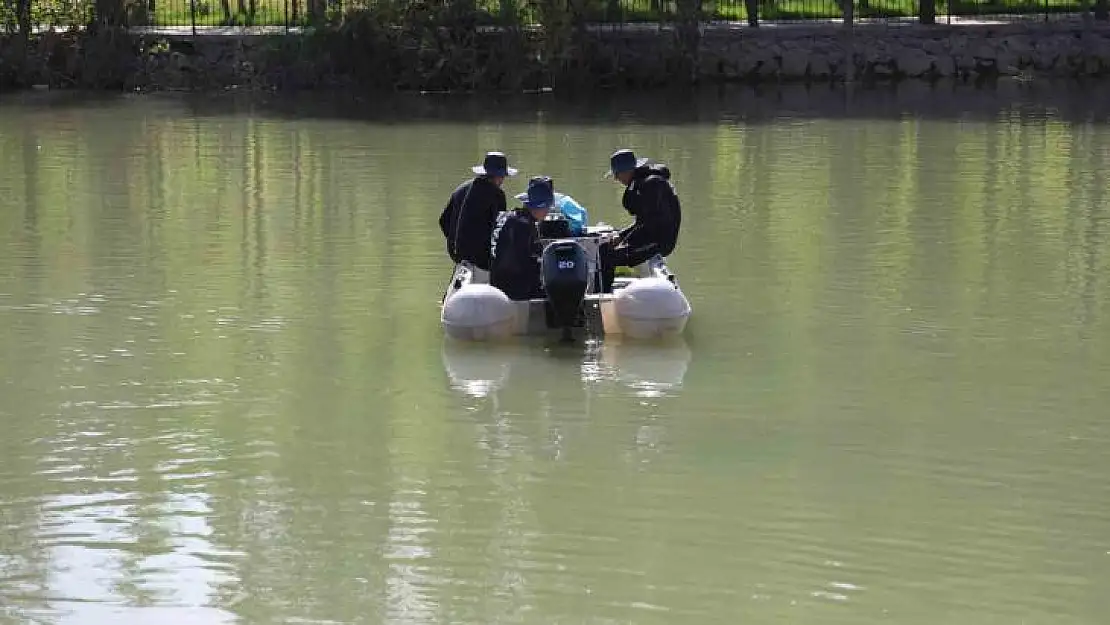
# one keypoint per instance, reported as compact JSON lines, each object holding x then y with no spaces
{"x":515,"y":246}
{"x":651,"y":199}
{"x":467,"y":220}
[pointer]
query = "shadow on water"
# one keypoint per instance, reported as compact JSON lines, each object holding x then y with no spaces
{"x":1070,"y":101}
{"x":61,"y":99}
{"x":1009,"y":99}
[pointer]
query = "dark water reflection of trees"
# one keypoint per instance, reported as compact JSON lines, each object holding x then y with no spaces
{"x":1027,"y":96}
{"x":1076,"y":101}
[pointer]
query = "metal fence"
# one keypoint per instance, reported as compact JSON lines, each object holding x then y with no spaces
{"x":286,"y":15}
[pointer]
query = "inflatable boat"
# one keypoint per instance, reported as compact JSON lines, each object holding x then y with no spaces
{"x":647,"y":305}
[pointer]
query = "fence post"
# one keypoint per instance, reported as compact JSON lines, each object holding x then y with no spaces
{"x":848,"y":10}
{"x":193,"y":15}
{"x":286,"y":17}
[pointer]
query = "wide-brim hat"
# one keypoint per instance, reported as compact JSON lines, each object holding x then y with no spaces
{"x":495,"y":164}
{"x":540,"y":193}
{"x":481,"y":170}
{"x":640,"y":162}
{"x":523,"y":197}
{"x":624,"y":160}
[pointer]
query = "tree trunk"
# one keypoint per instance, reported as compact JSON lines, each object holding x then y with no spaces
{"x":751,"y":7}
{"x":689,"y":33}
{"x":109,"y":14}
{"x":928,"y":12}
{"x":23,"y":17}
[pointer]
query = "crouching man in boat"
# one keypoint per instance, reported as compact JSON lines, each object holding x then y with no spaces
{"x":467,"y":220}
{"x":515,"y":246}
{"x":651,"y":199}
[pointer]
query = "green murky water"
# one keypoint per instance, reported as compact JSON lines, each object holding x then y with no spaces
{"x":225,"y":397}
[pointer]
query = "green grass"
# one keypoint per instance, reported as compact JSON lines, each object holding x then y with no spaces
{"x":63,"y":13}
{"x":212,"y":13}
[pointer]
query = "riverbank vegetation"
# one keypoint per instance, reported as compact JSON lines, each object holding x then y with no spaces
{"x":390,"y":44}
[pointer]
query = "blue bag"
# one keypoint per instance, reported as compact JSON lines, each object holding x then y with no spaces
{"x":574,"y":212}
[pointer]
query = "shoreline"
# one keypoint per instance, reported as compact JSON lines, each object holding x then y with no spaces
{"x":513,"y":61}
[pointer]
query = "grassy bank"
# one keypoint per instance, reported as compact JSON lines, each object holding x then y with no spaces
{"x":63,"y":13}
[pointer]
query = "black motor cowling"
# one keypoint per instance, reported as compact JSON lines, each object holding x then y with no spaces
{"x":566,"y":274}
{"x":554,"y":227}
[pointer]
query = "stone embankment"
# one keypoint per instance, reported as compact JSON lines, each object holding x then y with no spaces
{"x":1070,"y":49}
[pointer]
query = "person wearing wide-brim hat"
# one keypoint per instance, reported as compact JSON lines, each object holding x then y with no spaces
{"x":650,"y":198}
{"x":467,"y":220}
{"x":623,"y":163}
{"x":516,"y":248}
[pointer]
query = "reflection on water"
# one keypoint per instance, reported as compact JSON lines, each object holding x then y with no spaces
{"x":226,"y":396}
{"x":646,"y":369}
{"x":479,"y":370}
{"x":561,"y":384}
{"x":649,"y":370}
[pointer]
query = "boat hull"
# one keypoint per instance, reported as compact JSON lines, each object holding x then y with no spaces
{"x":648,"y":305}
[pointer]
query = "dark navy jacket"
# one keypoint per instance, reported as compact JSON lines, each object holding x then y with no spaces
{"x":515,"y":248}
{"x":467,"y":220}
{"x":652,"y":200}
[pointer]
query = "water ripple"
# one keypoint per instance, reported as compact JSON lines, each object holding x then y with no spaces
{"x":226,"y":398}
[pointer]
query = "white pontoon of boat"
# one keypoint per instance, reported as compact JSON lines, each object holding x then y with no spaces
{"x":647,"y":305}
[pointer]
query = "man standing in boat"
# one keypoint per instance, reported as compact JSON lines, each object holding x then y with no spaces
{"x":467,"y":220}
{"x":515,"y":246}
{"x":650,"y":198}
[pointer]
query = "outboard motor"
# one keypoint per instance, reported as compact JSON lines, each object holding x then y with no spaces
{"x":566,"y":274}
{"x":555,"y":226}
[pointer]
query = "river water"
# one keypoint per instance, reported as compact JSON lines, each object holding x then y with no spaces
{"x":225,"y":397}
